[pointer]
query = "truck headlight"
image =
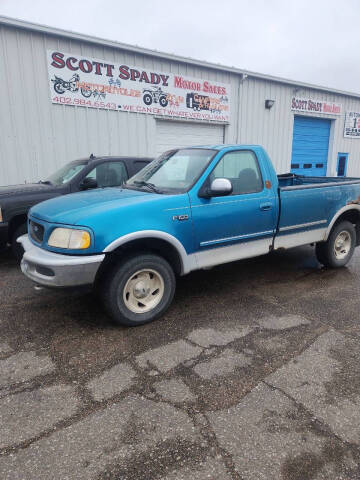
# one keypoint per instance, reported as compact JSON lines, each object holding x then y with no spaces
{"x":69,"y":238}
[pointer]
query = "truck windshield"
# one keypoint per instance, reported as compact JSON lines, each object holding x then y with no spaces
{"x":173,"y":172}
{"x":66,"y":173}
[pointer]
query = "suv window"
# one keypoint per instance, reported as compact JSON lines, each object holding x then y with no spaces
{"x":109,"y":174}
{"x":242,"y":169}
{"x":139,"y":164}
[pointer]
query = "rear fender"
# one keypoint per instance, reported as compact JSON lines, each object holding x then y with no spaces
{"x":343,"y":212}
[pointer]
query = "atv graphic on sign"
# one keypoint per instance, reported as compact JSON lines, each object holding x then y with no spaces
{"x":155,"y":95}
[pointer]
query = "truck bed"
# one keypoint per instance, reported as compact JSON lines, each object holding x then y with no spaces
{"x":292,"y":180}
{"x":308,"y":207}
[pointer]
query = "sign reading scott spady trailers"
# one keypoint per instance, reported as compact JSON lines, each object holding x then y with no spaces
{"x":93,"y":83}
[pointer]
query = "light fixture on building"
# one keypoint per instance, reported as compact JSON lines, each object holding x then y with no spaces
{"x":269,"y":104}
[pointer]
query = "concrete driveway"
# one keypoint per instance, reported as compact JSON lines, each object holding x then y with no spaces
{"x":253,"y":374}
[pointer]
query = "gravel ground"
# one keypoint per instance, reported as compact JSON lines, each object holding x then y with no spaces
{"x":253,"y":374}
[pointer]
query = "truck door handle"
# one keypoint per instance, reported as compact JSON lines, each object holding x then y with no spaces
{"x":265,"y":206}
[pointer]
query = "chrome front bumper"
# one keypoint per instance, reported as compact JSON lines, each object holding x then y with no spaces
{"x":56,"y":270}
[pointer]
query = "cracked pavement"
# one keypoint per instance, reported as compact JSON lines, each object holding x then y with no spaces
{"x":253,"y":374}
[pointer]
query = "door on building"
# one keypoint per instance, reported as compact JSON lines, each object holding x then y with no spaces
{"x":310,"y":146}
{"x":342,"y":161}
{"x":172,"y":134}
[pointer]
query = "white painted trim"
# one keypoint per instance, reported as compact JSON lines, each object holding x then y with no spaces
{"x":188,"y":120}
{"x":238,"y":237}
{"x":239,"y":251}
{"x":188,"y":263}
{"x":300,"y":238}
{"x":352,"y":206}
{"x":303,"y":225}
{"x":229,"y":200}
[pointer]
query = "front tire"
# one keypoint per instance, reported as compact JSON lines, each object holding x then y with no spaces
{"x":339,"y":247}
{"x":59,"y":88}
{"x":139,"y":289}
{"x":17,"y":248}
{"x":147,"y":99}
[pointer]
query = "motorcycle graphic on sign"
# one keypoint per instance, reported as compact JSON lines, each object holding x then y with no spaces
{"x":60,"y":85}
{"x":155,"y":95}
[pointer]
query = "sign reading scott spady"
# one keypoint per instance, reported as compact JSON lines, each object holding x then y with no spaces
{"x":315,"y":106}
{"x":94,"y":83}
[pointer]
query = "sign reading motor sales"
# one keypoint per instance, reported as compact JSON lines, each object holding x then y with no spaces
{"x":93,"y":83}
{"x":315,"y":106}
{"x":352,"y":125}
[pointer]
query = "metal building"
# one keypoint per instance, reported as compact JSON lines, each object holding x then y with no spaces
{"x":66,"y":95}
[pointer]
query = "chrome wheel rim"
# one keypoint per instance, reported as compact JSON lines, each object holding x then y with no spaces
{"x":143,"y":291}
{"x":342,"y":245}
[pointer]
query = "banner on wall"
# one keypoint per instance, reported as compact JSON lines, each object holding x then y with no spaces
{"x":88,"y":82}
{"x":315,"y":106}
{"x":352,"y":125}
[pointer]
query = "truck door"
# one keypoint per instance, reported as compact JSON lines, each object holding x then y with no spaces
{"x":238,"y":225}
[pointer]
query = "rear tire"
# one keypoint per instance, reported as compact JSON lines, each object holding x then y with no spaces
{"x":339,"y":247}
{"x":17,"y":248}
{"x":138,"y":289}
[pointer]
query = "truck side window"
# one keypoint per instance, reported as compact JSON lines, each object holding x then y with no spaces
{"x":109,"y":174}
{"x":242,"y":169}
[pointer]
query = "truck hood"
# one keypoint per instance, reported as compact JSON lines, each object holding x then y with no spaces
{"x":25,"y":188}
{"x":76,"y":208}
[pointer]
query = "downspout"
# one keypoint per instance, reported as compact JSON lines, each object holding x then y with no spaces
{"x":242,"y":77}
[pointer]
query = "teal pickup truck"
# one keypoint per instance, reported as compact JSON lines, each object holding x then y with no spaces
{"x":189,"y":209}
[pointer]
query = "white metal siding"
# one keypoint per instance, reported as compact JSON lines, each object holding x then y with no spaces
{"x":171,"y":134}
{"x":273,"y":128}
{"x":37,"y":137}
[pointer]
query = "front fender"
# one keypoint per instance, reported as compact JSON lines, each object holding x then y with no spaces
{"x":188,"y":262}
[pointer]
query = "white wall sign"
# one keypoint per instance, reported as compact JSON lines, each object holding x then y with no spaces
{"x":87,"y":82}
{"x":352,"y":125}
{"x":315,"y":106}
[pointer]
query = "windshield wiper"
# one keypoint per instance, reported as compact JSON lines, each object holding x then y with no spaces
{"x":150,"y":186}
{"x":45,"y":182}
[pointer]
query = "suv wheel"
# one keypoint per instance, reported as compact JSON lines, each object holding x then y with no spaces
{"x":139,"y":289}
{"x":17,"y":248}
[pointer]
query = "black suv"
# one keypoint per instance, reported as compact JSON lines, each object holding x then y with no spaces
{"x":83,"y":174}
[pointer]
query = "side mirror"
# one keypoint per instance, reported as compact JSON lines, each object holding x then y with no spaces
{"x":88,"y":183}
{"x":218,"y":188}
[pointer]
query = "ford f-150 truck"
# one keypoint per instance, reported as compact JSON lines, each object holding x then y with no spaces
{"x":189,"y":209}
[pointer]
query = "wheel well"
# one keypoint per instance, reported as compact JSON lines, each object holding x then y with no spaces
{"x":14,"y":223}
{"x":156,"y":246}
{"x":352,"y":216}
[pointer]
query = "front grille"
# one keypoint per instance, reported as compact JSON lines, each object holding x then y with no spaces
{"x":36,"y":231}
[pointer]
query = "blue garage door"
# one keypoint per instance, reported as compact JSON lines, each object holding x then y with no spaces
{"x":310,"y":146}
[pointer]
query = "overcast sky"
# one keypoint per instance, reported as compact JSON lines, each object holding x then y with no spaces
{"x":315,"y":41}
